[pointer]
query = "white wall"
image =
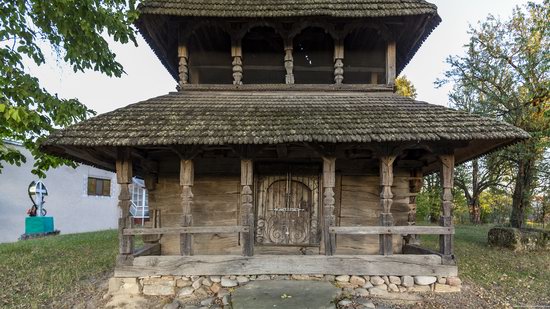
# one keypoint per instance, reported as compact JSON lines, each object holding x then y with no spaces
{"x":67,"y":201}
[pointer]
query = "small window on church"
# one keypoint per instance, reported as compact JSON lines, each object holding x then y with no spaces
{"x":313,"y":52}
{"x":210,"y":56}
{"x":365,"y":57}
{"x":99,"y":187}
{"x":263,"y":57}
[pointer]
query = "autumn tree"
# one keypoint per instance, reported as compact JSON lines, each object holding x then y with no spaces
{"x":405,"y":87}
{"x":75,"y":31}
{"x":505,"y":73}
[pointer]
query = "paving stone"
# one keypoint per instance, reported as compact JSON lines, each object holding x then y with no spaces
{"x":186,"y":292}
{"x":159,"y":290}
{"x":208,"y":301}
{"x":342,"y":278}
{"x":454,"y":281}
{"x":345,"y":303}
{"x":228,"y":283}
{"x":443,"y":288}
{"x":216,"y":279}
{"x":242,"y":279}
{"x":420,"y":289}
{"x":378,"y":290}
{"x":361,"y":292}
{"x":366,"y":303}
{"x":393,"y":287}
{"x":395,"y":280}
{"x":357,"y":280}
{"x":376,"y":280}
{"x":424,"y":280}
{"x":267,"y":295}
{"x":173,"y":305}
{"x":215,"y":288}
{"x":407,"y":281}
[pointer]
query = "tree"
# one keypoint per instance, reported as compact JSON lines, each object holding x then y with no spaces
{"x":75,"y":31}
{"x":477,"y":176}
{"x":405,"y":87}
{"x":505,"y":74}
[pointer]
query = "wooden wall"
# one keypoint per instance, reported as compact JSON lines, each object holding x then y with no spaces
{"x":358,"y":204}
{"x":216,"y":202}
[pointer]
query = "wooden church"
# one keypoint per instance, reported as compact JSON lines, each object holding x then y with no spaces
{"x":285,"y":149}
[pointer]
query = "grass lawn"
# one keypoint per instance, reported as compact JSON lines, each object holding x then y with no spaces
{"x":520,"y":278}
{"x":35,"y":273}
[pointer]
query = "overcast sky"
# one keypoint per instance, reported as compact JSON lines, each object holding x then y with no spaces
{"x":146,"y":76}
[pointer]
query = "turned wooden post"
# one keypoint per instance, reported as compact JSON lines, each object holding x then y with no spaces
{"x":186,"y":183}
{"x":339,"y":62}
{"x":289,"y":62}
{"x":124,"y":179}
{"x":247,"y":207}
{"x":183,"y":62}
{"x":391,"y":66}
{"x":237,"y":54}
{"x":386,"y":200}
{"x":329,"y":182}
{"x":447,"y":174}
{"x":415,"y":185}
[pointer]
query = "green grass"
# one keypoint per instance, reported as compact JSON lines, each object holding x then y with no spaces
{"x":35,"y":272}
{"x":518,"y":277}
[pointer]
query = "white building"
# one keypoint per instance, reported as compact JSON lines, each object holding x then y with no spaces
{"x":80,"y":200}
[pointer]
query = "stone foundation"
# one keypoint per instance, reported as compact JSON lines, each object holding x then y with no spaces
{"x":216,"y":290}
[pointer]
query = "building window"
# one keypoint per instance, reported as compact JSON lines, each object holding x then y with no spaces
{"x":263,"y":57}
{"x":210,"y":56}
{"x":99,"y":187}
{"x":365,"y":57}
{"x":313,"y":57}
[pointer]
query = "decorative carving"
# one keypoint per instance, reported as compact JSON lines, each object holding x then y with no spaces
{"x":329,"y":182}
{"x":386,"y":201}
{"x":186,"y":197}
{"x":183,"y":69}
{"x":260,"y":230}
{"x":287,"y":210}
{"x":447,"y":176}
{"x":338,"y":71}
{"x":289,"y":63}
{"x":237,"y":70}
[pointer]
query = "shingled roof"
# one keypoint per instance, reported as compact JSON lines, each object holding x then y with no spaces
{"x":288,"y":8}
{"x":239,"y":117}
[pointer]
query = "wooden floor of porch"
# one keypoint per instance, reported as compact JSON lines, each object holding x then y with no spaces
{"x":396,"y":265}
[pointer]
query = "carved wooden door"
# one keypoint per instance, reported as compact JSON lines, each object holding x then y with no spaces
{"x":288,"y":210}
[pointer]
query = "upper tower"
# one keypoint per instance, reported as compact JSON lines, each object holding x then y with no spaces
{"x":286,"y":41}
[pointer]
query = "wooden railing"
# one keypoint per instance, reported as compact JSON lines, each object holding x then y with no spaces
{"x":402,"y":230}
{"x":392,"y":230}
{"x":187,"y":230}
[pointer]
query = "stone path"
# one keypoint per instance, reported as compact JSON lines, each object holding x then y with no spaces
{"x":286,"y":294}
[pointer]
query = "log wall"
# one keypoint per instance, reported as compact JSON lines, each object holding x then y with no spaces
{"x":216,"y":201}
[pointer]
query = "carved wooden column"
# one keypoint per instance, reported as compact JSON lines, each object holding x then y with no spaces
{"x":237,"y":54}
{"x":150,"y":180}
{"x":183,"y":65}
{"x":415,"y":185}
{"x":124,"y":179}
{"x":391,"y":60}
{"x":386,"y":200}
{"x":289,"y":62}
{"x":247,"y":207}
{"x":339,"y":61}
{"x":329,"y":182}
{"x":447,"y":175}
{"x":186,"y":183}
